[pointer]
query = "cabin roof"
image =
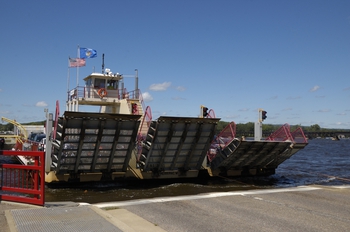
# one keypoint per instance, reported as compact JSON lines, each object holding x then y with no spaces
{"x":106,"y":76}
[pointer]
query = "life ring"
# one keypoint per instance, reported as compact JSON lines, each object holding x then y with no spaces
{"x":102,"y":92}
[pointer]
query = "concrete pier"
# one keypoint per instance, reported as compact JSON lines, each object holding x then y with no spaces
{"x":304,"y":208}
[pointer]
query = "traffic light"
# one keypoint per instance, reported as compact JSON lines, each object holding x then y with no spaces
{"x":263,"y":115}
{"x":205,"y":111}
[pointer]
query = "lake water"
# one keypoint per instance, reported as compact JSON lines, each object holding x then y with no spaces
{"x":322,"y":162}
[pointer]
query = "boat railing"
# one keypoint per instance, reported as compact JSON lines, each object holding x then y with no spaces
{"x":222,"y":140}
{"x":136,"y":94}
{"x":98,"y":93}
{"x":299,"y":136}
{"x":282,"y":134}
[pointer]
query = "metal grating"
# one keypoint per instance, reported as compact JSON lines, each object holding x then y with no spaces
{"x":94,"y":142}
{"x":61,"y":219}
{"x":252,"y":154}
{"x":286,"y":155}
{"x":175,"y":143}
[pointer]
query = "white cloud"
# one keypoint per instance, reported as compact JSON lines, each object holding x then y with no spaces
{"x":160,"y":87}
{"x":180,"y":88}
{"x":41,"y":104}
{"x":342,"y":124}
{"x":315,"y":88}
{"x":324,"y":110}
{"x":147,"y":97}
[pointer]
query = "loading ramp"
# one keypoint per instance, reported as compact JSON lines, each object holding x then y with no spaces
{"x":240,"y":155}
{"x":176,"y":146}
{"x":235,"y":157}
{"x":93,"y":142}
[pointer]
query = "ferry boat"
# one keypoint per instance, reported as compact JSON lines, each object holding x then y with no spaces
{"x":123,"y":141}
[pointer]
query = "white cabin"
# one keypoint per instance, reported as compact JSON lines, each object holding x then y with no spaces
{"x":107,"y":91}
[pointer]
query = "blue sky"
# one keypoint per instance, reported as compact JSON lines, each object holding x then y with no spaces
{"x":291,"y":58}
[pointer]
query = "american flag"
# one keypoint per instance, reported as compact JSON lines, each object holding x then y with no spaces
{"x":76,"y":62}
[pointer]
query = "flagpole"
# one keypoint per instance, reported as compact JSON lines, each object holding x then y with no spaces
{"x":68,"y":77}
{"x":78,"y":55}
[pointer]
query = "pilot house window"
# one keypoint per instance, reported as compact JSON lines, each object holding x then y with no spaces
{"x":99,"y":83}
{"x":112,"y":84}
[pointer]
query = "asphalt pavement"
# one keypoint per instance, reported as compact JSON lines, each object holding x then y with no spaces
{"x":304,"y":208}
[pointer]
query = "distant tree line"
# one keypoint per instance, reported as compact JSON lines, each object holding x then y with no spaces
{"x":240,"y":127}
{"x":9,"y":126}
{"x":269,"y":128}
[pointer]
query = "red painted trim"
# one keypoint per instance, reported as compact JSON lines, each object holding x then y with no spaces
{"x":29,"y":185}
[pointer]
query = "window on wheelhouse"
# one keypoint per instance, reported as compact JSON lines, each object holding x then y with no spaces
{"x":88,"y":83}
{"x":112,"y":84}
{"x":100,"y":83}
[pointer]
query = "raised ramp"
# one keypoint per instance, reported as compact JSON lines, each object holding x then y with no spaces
{"x":176,"y":144}
{"x":286,"y":155}
{"x":245,"y":155}
{"x":94,"y":142}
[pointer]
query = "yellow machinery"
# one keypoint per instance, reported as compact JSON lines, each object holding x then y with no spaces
{"x":20,"y":137}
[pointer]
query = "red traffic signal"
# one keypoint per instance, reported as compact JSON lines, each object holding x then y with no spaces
{"x":205,"y":111}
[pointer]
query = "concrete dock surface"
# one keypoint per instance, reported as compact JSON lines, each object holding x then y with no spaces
{"x":304,"y":208}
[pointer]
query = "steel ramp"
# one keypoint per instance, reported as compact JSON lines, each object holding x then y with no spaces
{"x":176,"y":144}
{"x":286,"y":155}
{"x":240,"y":155}
{"x":94,"y":142}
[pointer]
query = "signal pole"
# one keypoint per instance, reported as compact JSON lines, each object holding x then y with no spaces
{"x":203,"y":112}
{"x":258,"y":125}
{"x":49,"y":137}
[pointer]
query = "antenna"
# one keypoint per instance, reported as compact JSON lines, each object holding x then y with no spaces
{"x":103,"y":63}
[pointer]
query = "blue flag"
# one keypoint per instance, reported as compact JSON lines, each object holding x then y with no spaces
{"x":87,"y":53}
